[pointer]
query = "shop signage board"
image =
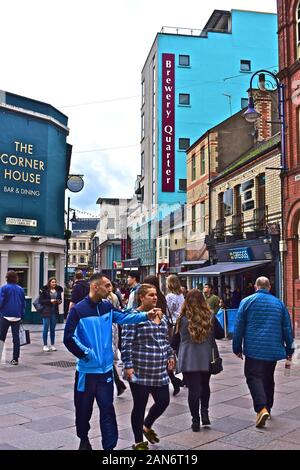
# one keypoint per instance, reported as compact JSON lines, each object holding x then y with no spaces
{"x":241,"y":254}
{"x":23,"y":222}
{"x":33,"y":170}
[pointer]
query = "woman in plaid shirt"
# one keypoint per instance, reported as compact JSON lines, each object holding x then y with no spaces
{"x":146,"y":354}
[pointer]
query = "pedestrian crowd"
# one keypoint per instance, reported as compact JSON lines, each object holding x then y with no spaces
{"x":154,"y":337}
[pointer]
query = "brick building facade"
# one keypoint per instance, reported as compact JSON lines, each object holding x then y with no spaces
{"x":289,"y":64}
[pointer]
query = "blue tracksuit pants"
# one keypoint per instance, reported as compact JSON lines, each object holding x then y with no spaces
{"x":101,"y":388}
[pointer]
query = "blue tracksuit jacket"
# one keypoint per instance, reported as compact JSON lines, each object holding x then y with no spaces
{"x":88,"y":335}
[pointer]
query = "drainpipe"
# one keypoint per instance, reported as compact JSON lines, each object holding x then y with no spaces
{"x":209,"y":192}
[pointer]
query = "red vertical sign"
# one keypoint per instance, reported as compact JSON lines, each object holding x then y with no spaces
{"x":168,"y":122}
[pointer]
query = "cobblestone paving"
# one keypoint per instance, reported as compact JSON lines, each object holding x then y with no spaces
{"x":36,"y":407}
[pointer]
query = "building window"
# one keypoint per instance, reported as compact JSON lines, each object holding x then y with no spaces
{"x":81,"y":246}
{"x":202,"y":161}
{"x":143,"y":92}
{"x":184,"y":99}
{"x":82,"y":260}
{"x":74,"y":246}
{"x":202,"y":216}
{"x":74,"y":259}
{"x":184,"y":60}
{"x":184,"y":144}
{"x":142,"y":126}
{"x":221,"y":206}
{"x":244,"y":103}
{"x":110,"y":223}
{"x":166,"y":248}
{"x":228,"y":202}
{"x":245,"y":66}
{"x":142,"y":163}
{"x":194,"y":218}
{"x":193,"y":167}
{"x":182,"y":184}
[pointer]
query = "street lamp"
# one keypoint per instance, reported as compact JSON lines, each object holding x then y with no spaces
{"x":251,"y":115}
{"x":68,"y":234}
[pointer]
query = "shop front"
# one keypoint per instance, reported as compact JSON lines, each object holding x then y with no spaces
{"x":238,"y":265}
{"x":34,"y":165}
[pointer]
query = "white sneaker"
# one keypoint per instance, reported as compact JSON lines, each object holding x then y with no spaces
{"x":53,"y":348}
{"x":46,"y":349}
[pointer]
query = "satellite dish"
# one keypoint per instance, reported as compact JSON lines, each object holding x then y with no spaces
{"x":75,"y":183}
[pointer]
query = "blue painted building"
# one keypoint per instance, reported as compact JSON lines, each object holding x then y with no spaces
{"x":192,"y":80}
{"x":34,"y":165}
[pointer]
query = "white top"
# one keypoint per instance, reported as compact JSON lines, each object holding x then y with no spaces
{"x":174,"y":304}
{"x":12,"y":318}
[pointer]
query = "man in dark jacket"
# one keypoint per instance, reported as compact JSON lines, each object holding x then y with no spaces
{"x":12,"y":309}
{"x":88,"y":335}
{"x":263,"y":332}
{"x":80,"y":289}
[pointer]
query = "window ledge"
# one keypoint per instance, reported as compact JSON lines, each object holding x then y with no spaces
{"x":184,"y":66}
{"x":184,"y":105}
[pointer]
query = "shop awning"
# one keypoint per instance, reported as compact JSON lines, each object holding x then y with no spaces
{"x":199,"y":262}
{"x":224,"y":268}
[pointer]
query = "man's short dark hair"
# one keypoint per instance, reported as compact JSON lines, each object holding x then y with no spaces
{"x":97,"y":277}
{"x":207,"y":284}
{"x":78,"y":275}
{"x":12,"y":277}
{"x":135,"y":274}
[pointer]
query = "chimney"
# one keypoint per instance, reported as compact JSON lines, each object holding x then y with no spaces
{"x":263,"y":100}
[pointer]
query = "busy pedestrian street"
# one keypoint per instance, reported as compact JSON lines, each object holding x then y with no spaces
{"x":37,"y":410}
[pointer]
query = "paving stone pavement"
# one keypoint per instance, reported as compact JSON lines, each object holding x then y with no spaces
{"x":37,"y":412}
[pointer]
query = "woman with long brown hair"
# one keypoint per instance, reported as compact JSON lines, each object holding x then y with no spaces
{"x":198,"y":329}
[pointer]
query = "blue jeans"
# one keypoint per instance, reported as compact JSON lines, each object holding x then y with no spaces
{"x":49,"y":321}
{"x":101,"y":388}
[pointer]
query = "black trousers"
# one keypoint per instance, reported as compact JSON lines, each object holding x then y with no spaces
{"x":101,"y":388}
{"x":15,"y":328}
{"x":260,"y":380}
{"x":140,"y":395}
{"x":199,"y":391}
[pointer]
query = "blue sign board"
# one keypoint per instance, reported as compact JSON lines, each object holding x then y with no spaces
{"x":34,"y":163}
{"x":240,"y":254}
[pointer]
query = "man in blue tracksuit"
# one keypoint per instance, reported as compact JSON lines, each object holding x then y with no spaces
{"x":263,"y":332}
{"x":12,"y":309}
{"x":88,"y":335}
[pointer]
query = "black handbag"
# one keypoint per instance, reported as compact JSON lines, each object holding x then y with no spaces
{"x":216,"y":364}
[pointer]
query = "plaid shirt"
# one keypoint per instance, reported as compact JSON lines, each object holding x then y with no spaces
{"x":146,"y":349}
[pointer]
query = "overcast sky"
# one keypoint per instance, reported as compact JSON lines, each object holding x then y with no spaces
{"x":85,"y":58}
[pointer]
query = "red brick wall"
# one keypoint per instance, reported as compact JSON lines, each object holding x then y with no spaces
{"x":290,"y":75}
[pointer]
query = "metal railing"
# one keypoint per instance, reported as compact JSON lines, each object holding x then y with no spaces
{"x":220,"y":229}
{"x":179,"y":30}
{"x":260,"y":218}
{"x":237,"y":224}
